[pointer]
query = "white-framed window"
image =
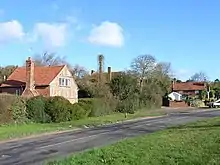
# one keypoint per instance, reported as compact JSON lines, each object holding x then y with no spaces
{"x":64,"y":82}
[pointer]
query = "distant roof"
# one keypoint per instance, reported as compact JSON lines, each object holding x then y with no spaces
{"x":187,"y":86}
{"x":105,"y":74}
{"x":43,"y":75}
{"x":175,"y":93}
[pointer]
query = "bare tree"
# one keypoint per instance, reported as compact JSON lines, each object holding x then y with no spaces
{"x":199,"y":77}
{"x":142,"y":66}
{"x":79,"y":71}
{"x":163,"y":69}
{"x":49,"y":59}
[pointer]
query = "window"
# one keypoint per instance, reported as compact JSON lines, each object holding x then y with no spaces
{"x":67,"y":82}
{"x":64,"y":82}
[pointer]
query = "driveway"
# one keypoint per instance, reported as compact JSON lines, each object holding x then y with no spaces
{"x":37,"y":150}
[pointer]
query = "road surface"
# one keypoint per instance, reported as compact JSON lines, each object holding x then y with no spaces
{"x":37,"y":150}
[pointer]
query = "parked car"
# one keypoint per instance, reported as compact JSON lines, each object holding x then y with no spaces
{"x":215,"y":104}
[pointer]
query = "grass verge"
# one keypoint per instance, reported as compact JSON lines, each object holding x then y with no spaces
{"x":17,"y":131}
{"x":197,"y":143}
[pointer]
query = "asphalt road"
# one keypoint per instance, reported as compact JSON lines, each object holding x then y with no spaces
{"x":37,"y":150}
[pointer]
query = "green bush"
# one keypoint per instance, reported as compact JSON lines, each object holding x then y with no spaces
{"x":126,"y":106}
{"x":58,"y":108}
{"x":5,"y":112}
{"x":103,"y":106}
{"x":36,"y":110}
{"x":86,"y":104}
{"x":77,"y":112}
{"x":18,"y":109}
{"x":12,"y":109}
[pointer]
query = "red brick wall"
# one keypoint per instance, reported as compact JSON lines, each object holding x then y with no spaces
{"x":178,"y":104}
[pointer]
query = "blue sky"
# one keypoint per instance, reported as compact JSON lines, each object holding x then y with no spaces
{"x":185,"y":33}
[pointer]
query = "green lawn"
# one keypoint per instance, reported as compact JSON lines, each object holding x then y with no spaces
{"x":17,"y":131}
{"x":192,"y":144}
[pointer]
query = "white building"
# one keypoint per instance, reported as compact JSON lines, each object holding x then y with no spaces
{"x":175,"y":96}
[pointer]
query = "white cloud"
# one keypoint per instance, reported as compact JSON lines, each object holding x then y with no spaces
{"x":53,"y":35}
{"x":11,"y":30}
{"x":107,"y":34}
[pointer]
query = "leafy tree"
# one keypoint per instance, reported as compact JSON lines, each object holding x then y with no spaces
{"x":189,"y":80}
{"x":178,"y":81}
{"x":216,"y":87}
{"x":212,"y":94}
{"x":123,"y":86}
{"x":6,"y":71}
{"x":151,"y":95}
{"x":162,"y":76}
{"x":124,"y":89}
{"x":203,"y":94}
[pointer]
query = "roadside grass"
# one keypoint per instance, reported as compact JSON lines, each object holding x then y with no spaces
{"x":17,"y":131}
{"x":196,"y":143}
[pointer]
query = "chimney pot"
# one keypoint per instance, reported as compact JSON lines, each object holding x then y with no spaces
{"x":92,"y":71}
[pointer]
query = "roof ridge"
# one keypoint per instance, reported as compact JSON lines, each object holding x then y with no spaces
{"x":45,"y":66}
{"x":44,"y":75}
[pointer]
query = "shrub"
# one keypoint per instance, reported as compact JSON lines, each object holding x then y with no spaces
{"x":77,"y":112}
{"x":103,"y":106}
{"x":36,"y":110}
{"x":18,"y":109}
{"x":58,"y":108}
{"x":126,"y":106}
{"x":5,"y":104}
{"x":87,"y":105}
{"x":12,"y":109}
{"x":150,"y":96}
{"x":197,"y":103}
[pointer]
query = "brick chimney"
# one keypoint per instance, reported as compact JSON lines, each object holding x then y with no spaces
{"x":109,"y":74}
{"x":173,"y":83}
{"x":30,"y":83}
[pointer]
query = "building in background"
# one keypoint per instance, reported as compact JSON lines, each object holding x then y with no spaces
{"x":47,"y":81}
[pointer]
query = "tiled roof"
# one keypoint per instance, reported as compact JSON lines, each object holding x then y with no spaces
{"x":188,"y":86}
{"x":43,"y":75}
